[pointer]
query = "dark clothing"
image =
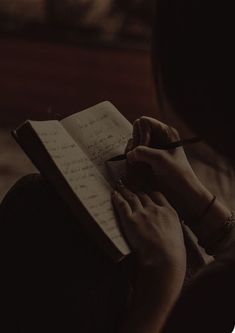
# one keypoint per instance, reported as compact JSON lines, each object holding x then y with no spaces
{"x":55,"y":278}
{"x":207,"y":304}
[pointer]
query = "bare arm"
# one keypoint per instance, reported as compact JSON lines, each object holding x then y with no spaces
{"x":176,"y":179}
{"x":156,"y":292}
{"x":154,"y":232}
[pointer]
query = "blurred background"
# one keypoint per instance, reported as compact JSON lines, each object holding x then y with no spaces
{"x":59,"y":57}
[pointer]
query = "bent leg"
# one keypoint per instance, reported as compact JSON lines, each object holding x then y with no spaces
{"x":55,"y":276}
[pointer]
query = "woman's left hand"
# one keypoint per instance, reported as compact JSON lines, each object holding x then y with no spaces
{"x":152,"y":227}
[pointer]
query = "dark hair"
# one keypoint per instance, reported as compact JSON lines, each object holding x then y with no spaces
{"x":193,"y":64}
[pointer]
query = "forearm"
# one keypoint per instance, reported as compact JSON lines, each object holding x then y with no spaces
{"x":210,"y":228}
{"x":154,"y":296}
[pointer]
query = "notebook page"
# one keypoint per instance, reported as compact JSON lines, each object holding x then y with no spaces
{"x":101,"y":131}
{"x":82,"y":176}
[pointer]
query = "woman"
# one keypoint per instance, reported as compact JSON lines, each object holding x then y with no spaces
{"x":193,"y":64}
{"x":55,"y":277}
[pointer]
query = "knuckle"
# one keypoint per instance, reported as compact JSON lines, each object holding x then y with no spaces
{"x":132,"y":196}
{"x":143,"y":215}
{"x":169,"y":210}
{"x":139,"y":150}
{"x":154,"y":209}
{"x":122,"y":204}
{"x":157,"y":193}
{"x":142,"y":195}
{"x":144,"y":120}
{"x":174,"y":133}
{"x":148,"y":119}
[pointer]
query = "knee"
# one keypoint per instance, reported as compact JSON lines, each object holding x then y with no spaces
{"x":29,"y":194}
{"x":26,"y":182}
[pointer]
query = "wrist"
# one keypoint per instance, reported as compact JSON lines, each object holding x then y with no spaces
{"x":168,"y":268}
{"x":212,"y":223}
{"x":197,"y":198}
{"x":153,"y":297}
{"x":206,"y":214}
{"x":162,"y":257}
{"x":159,"y":289}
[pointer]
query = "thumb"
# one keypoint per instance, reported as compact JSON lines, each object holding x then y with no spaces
{"x":146,"y":154}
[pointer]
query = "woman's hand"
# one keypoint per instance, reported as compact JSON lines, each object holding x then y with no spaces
{"x":154,"y":232}
{"x":152,"y":228}
{"x":173,"y":174}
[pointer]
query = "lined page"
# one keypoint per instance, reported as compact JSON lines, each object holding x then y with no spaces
{"x":82,"y":176}
{"x":101,"y":131}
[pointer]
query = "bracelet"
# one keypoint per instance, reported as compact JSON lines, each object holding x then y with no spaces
{"x":221,"y":234}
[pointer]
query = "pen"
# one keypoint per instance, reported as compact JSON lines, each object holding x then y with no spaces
{"x":167,"y":146}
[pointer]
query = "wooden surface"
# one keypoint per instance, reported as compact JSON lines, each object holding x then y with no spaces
{"x":39,"y":77}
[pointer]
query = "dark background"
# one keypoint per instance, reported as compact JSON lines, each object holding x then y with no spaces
{"x":59,"y":57}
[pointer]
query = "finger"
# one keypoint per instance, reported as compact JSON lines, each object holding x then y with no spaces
{"x":146,"y":154}
{"x":162,"y":132}
{"x":145,"y":130}
{"x":132,"y":199}
{"x":124,"y":212}
{"x":157,"y":129}
{"x":173,"y":133}
{"x":145,"y":199}
{"x":129,"y":146}
{"x":121,"y":205}
{"x":154,"y":121}
{"x":136,"y":133}
{"x":159,"y":199}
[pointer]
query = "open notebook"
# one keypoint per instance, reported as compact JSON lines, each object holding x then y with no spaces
{"x":71,"y":154}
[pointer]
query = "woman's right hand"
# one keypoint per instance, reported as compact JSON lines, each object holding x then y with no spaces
{"x":154,"y":232}
{"x":172,"y":171}
{"x":152,"y":228}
